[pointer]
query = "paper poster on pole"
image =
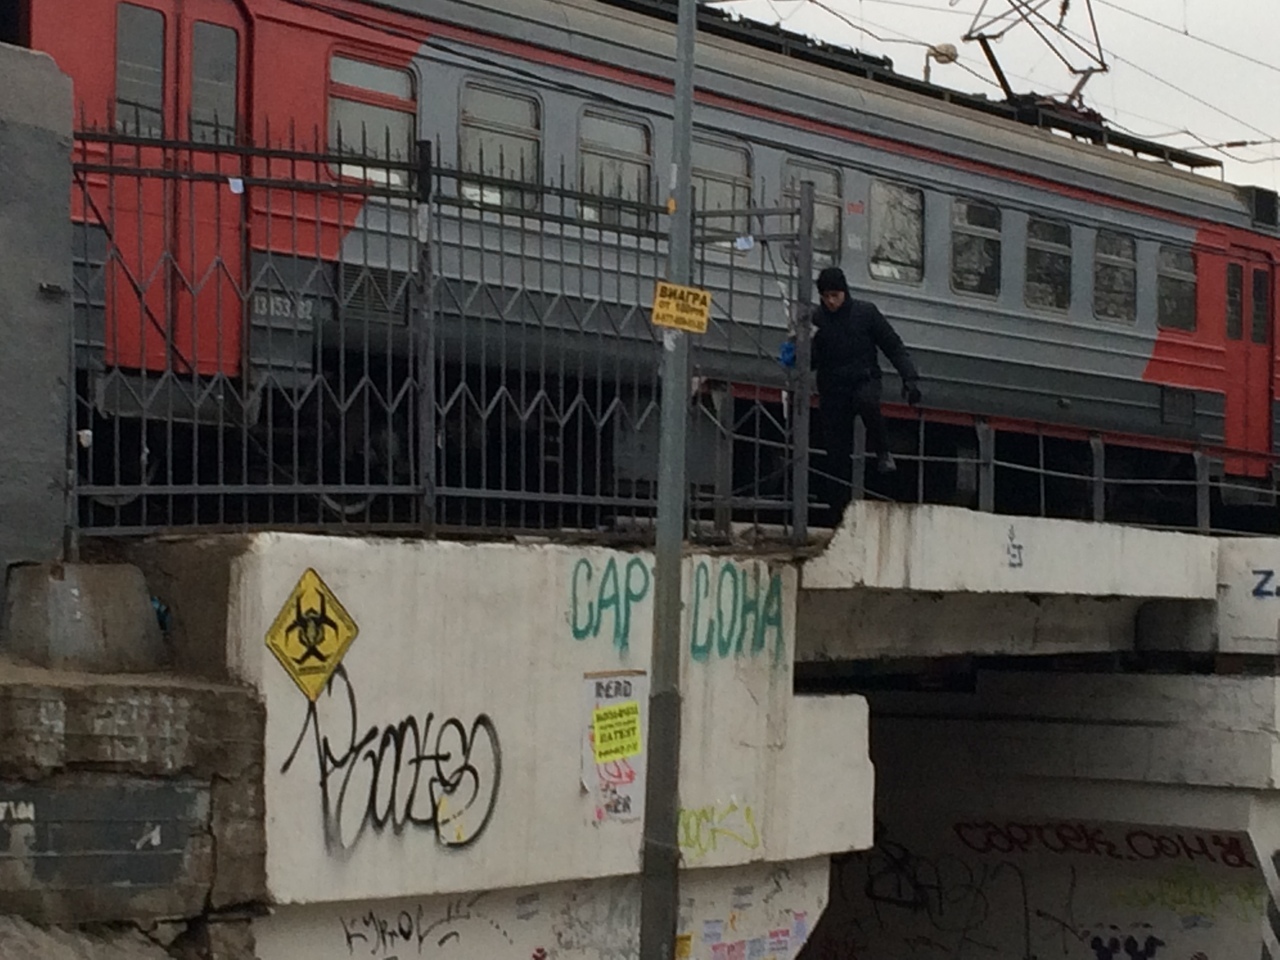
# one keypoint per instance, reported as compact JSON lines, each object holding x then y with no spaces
{"x":615,"y":725}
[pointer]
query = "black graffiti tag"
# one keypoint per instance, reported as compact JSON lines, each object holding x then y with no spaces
{"x":411,"y":775}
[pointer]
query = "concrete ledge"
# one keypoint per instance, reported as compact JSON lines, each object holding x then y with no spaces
{"x":125,"y":798}
{"x":81,"y":616}
{"x":953,"y":550}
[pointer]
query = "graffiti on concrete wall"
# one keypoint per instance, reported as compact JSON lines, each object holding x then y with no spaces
{"x":1035,"y":891}
{"x":706,"y":829}
{"x":736,"y":608}
{"x":419,"y":772}
{"x":761,"y":911}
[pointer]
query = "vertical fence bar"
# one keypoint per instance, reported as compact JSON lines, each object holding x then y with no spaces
{"x":804,"y":360}
{"x":1204,"y":512}
{"x":424,"y":335}
{"x":1099,"y":487}
{"x":986,"y":466}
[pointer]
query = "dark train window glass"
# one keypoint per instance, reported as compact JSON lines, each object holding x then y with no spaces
{"x":139,"y":71}
{"x":213,"y":83}
{"x":501,"y":137}
{"x":828,"y":203}
{"x":372,"y":77}
{"x":897,"y":232}
{"x":1115,"y":277}
{"x":722,"y":181}
{"x":616,"y":162}
{"x":1048,"y":264}
{"x":1176,"y":288}
{"x":975,"y":248}
{"x":1235,"y":301}
{"x":365,"y":121}
{"x":1260,"y":327}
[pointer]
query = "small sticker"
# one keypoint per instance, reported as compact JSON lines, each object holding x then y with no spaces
{"x":236,"y":185}
{"x":712,"y":931}
{"x":684,"y":946}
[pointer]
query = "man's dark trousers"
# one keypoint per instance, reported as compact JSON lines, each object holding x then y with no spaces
{"x":837,"y":407}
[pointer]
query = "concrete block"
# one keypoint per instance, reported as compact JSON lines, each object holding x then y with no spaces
{"x":952,"y":550}
{"x":86,"y":617}
{"x":1249,"y":596}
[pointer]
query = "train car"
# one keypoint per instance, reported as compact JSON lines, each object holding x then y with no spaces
{"x":1054,"y":279}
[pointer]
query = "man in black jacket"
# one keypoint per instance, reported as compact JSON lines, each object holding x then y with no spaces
{"x":846,"y":337}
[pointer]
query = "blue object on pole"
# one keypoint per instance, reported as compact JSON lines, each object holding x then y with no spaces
{"x":787,"y":355}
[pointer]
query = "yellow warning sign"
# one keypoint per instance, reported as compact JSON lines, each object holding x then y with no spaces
{"x":616,"y":731}
{"x":684,"y":308}
{"x":311,"y":634}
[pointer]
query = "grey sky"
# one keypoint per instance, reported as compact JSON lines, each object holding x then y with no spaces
{"x":1166,"y":80}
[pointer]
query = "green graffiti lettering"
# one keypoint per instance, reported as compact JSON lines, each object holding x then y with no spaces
{"x":700,"y":652}
{"x":610,"y":598}
{"x":583,"y":630}
{"x":751,"y":611}
{"x":771,"y":617}
{"x":724,"y":636}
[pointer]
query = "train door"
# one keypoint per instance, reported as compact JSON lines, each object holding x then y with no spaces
{"x":211,"y":218}
{"x":176,"y":225}
{"x":1247,"y":363}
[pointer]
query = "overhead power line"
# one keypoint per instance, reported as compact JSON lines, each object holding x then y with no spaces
{"x":1183,"y":33}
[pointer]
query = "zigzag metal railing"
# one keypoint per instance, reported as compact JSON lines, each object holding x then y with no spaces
{"x":264,"y":343}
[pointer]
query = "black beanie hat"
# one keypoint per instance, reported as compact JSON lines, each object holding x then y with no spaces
{"x":832,"y":278}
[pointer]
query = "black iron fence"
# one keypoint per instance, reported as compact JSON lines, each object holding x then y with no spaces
{"x":307,"y":339}
{"x":311,"y":339}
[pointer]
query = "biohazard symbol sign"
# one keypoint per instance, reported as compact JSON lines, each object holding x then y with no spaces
{"x":311,"y":634}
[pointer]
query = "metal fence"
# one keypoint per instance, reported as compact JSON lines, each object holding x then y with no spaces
{"x":311,"y":339}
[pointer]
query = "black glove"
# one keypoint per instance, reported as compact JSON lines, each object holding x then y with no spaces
{"x":911,"y":392}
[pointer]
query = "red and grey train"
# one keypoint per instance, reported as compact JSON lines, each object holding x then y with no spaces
{"x":1054,"y":279}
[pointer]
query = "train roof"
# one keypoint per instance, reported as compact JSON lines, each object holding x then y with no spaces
{"x":1031,"y":110}
{"x":738,"y":60}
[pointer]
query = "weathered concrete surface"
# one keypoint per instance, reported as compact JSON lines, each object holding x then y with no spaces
{"x":450,"y":746}
{"x":94,"y":617}
{"x":1052,"y":814}
{"x":952,"y":550}
{"x":865,"y":624}
{"x":35,"y":326}
{"x":1249,"y":596}
{"x":127,"y":797}
{"x":20,"y":940}
{"x":758,"y":910}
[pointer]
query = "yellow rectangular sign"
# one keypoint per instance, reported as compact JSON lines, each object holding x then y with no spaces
{"x":683,"y":308}
{"x":616,"y":731}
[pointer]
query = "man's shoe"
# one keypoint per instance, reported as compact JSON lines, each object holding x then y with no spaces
{"x":885,"y":464}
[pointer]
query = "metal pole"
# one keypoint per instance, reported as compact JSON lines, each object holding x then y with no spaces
{"x":659,"y":890}
{"x":804,"y":387}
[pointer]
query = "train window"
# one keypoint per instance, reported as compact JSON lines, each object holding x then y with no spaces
{"x":1048,"y":264}
{"x":616,"y":162}
{"x":722,"y":181}
{"x":897,"y":232}
{"x":139,"y":71}
{"x":1260,"y":326}
{"x":827,"y":203}
{"x":501,"y":137}
{"x":371,"y":115}
{"x":1235,"y":301}
{"x":1115,"y":277}
{"x":213,"y":83}
{"x":1176,"y":288}
{"x":975,"y":248}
